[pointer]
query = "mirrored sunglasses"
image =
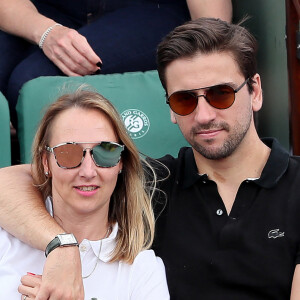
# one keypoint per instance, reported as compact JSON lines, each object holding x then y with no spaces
{"x":220,"y":96}
{"x":70,"y":155}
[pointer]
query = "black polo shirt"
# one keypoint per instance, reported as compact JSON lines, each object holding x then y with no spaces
{"x":249,"y":254}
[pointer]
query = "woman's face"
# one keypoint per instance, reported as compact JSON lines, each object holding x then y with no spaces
{"x":87,"y":189}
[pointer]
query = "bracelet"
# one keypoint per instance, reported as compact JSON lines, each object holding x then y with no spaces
{"x":44,"y":35}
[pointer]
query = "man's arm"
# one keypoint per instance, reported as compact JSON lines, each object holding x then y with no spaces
{"x":295,"y":293}
{"x":22,"y":209}
{"x":23,"y":214}
{"x":221,"y":9}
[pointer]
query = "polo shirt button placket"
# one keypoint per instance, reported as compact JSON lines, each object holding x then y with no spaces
{"x":82,"y":248}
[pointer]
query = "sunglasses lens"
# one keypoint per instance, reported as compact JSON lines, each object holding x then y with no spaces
{"x":220,"y":96}
{"x":107,"y":154}
{"x":183,"y":103}
{"x":69,"y":155}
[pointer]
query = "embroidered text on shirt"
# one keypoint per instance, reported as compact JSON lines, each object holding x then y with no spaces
{"x":273,"y":234}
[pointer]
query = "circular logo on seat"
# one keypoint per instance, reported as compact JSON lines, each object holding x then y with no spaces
{"x":136,"y":122}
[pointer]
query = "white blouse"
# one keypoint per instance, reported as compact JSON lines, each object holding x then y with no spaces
{"x":145,"y":279}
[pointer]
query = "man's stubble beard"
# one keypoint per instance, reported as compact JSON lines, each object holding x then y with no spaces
{"x":231,"y":143}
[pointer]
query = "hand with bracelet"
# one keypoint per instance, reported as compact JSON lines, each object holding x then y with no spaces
{"x":64,"y":46}
{"x":69,"y":51}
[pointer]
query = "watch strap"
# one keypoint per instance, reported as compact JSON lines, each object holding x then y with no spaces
{"x":57,"y":242}
{"x":52,"y":245}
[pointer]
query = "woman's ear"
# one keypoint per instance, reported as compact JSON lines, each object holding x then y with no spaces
{"x":120,"y":166}
{"x":46,"y":165}
{"x":257,"y":96}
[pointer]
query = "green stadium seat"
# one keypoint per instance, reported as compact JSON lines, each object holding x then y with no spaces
{"x":5,"y":145}
{"x":138,"y":96}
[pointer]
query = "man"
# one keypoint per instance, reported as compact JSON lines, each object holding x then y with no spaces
{"x":230,"y":228}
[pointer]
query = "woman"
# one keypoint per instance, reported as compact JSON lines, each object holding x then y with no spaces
{"x":91,"y":176}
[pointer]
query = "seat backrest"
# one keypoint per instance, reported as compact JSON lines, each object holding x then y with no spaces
{"x":138,"y":96}
{"x":5,"y":145}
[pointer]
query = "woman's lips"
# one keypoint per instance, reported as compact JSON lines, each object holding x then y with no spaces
{"x":86,"y":190}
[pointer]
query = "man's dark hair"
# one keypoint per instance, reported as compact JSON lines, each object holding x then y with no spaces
{"x":209,"y":35}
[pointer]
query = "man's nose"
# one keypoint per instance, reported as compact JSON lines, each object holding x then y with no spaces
{"x":204,"y":112}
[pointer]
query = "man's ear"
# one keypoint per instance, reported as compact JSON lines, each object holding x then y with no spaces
{"x":173,"y":118}
{"x":257,"y":97}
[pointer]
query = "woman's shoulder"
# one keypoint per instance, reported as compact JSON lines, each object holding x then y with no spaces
{"x":148,"y":277}
{"x":148,"y":256}
{"x":147,"y":260}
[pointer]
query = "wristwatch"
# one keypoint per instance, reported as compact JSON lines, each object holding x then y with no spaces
{"x":61,"y":240}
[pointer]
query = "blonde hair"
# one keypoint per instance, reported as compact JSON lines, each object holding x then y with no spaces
{"x":130,"y":203}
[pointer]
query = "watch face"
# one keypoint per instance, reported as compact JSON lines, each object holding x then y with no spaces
{"x":67,"y":239}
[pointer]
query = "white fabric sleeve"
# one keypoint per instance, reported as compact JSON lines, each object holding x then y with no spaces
{"x":3,"y":244}
{"x":148,"y":280}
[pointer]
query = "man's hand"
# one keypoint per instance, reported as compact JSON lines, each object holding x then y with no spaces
{"x":62,"y":279}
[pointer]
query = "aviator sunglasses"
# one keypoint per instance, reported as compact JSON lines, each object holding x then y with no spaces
{"x":220,"y":96}
{"x":70,"y":155}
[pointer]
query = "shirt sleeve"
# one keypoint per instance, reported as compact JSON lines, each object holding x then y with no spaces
{"x":148,"y":280}
{"x":5,"y":243}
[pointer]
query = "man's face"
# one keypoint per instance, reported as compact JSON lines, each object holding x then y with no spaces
{"x":214,"y":133}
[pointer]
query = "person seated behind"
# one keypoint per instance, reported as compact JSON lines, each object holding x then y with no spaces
{"x":123,"y":35}
{"x":89,"y":171}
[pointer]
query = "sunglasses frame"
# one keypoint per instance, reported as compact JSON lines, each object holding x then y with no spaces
{"x":51,"y":150}
{"x":204,"y":96}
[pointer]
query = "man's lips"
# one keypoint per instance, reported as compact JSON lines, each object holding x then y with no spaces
{"x":208,"y":133}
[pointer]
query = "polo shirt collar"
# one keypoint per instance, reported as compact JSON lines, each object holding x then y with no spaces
{"x":274,"y":169}
{"x":108,"y":244}
{"x":189,"y":176}
{"x":276,"y":165}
